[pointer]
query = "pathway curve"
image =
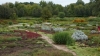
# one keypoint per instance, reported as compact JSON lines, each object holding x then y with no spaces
{"x":60,"y":47}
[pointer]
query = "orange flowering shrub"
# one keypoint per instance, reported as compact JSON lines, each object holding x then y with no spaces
{"x":79,"y":20}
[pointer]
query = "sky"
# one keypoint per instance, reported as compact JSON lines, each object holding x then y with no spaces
{"x":62,"y":2}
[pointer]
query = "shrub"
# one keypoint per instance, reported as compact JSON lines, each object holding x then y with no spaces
{"x":58,"y":29}
{"x":79,"y":20}
{"x":61,"y":14}
{"x":63,"y":38}
{"x":79,"y":35}
{"x":13,"y":16}
{"x":10,"y":23}
{"x":45,"y":27}
{"x":98,"y":48}
{"x":95,"y":40}
{"x":30,"y":24}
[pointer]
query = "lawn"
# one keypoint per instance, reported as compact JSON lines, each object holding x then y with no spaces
{"x":85,"y":51}
{"x":28,"y":47}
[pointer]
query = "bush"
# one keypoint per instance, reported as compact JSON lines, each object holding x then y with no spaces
{"x":61,"y":14}
{"x":13,"y":16}
{"x":63,"y":38}
{"x":95,"y":40}
{"x":30,"y":24}
{"x":79,"y":35}
{"x":10,"y":23}
{"x":79,"y":20}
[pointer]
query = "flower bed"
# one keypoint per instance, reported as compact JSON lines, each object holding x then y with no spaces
{"x":27,"y":34}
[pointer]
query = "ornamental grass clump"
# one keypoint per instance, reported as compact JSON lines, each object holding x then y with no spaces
{"x":63,"y":38}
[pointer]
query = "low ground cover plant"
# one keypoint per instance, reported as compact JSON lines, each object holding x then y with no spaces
{"x":27,"y":34}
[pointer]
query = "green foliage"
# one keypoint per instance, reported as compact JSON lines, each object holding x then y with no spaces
{"x":61,"y":14}
{"x":5,"y":12}
{"x":78,"y":9}
{"x":46,"y":14}
{"x":11,"y":45}
{"x":10,"y":23}
{"x":30,"y":24}
{"x":63,"y":38}
{"x":13,"y":16}
{"x":24,"y":25}
{"x":84,"y":51}
{"x":98,"y":48}
{"x":95,"y":40}
{"x":80,"y":2}
{"x":36,"y":10}
{"x":43,"y":3}
{"x":10,"y":39}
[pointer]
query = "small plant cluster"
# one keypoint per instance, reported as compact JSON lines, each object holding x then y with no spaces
{"x":93,"y":31}
{"x":63,"y":38}
{"x":9,"y":39}
{"x":79,"y":20}
{"x":3,"y":30}
{"x":79,"y":35}
{"x":9,"y":22}
{"x":94,"y":41}
{"x":58,"y":29}
{"x":55,"y":29}
{"x":27,"y":34}
{"x":45,"y":27}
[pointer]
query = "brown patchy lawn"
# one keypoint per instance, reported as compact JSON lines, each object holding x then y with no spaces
{"x":29,"y":47}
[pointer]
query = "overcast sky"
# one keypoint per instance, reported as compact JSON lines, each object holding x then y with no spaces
{"x":62,"y":2}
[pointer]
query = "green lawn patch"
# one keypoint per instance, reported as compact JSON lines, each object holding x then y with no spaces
{"x":85,"y":51}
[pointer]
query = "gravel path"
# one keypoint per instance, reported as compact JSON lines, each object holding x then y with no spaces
{"x":60,"y":47}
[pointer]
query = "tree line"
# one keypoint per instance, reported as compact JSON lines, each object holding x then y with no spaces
{"x":49,"y":9}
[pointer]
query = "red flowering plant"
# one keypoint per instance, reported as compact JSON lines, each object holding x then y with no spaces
{"x":27,"y":34}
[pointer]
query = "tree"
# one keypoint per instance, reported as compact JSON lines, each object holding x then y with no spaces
{"x":31,"y":3}
{"x":88,"y":10}
{"x":36,"y":10}
{"x":21,"y":10}
{"x":96,"y":10}
{"x":5,"y":12}
{"x":55,"y":11}
{"x":13,"y":16}
{"x":43,"y":3}
{"x":79,"y":10}
{"x":46,"y":14}
{"x":60,"y":7}
{"x":61,"y":14}
{"x":11,"y":5}
{"x":70,"y":10}
{"x":80,"y":2}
